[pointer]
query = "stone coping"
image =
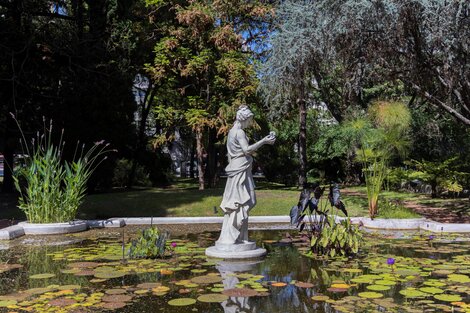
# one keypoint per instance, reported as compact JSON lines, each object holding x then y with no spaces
{"x":23,"y":228}
{"x":53,"y":228}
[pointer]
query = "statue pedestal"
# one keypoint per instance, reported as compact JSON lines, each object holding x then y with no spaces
{"x":244,"y":250}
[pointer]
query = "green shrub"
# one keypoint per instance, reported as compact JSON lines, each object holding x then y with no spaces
{"x":122,"y":172}
{"x":150,"y":244}
{"x":395,"y":209}
{"x":51,"y":189}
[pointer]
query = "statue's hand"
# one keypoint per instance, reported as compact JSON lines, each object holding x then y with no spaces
{"x":270,"y":139}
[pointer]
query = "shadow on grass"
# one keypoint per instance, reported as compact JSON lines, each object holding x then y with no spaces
{"x":154,"y":202}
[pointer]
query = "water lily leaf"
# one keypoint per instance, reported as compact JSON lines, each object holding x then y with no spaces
{"x":182,"y":302}
{"x":216,"y":289}
{"x":148,"y":285}
{"x":160,"y":289}
{"x":240,"y":292}
{"x":42,"y":276}
{"x":116,"y":291}
{"x":69,"y":287}
{"x":116,"y":298}
{"x":320,"y":298}
{"x":448,"y":298}
{"x":113,"y":305}
{"x":341,"y":285}
{"x":385,"y":282}
{"x":206,"y":279}
{"x":370,"y":295}
{"x":84,"y":264}
{"x":212,"y":298}
{"x":303,"y":284}
{"x":84,"y":272}
{"x":61,"y":302}
{"x":412,"y":293}
{"x":431,"y":290}
{"x":351,"y":270}
{"x":458,"y":278}
{"x":434,"y":283}
{"x":110,"y":275}
{"x":278,"y":284}
{"x":5,"y":303}
{"x":378,"y":287}
{"x":198,"y":271}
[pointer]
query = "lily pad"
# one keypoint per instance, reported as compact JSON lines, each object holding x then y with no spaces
{"x":182,"y":302}
{"x":61,"y":302}
{"x":320,"y":298}
{"x":370,"y":295}
{"x":113,"y":305}
{"x":42,"y":276}
{"x":431,"y":290}
{"x":240,"y":292}
{"x":458,"y":278}
{"x":212,"y":298}
{"x":378,"y":287}
{"x":5,"y":303}
{"x":303,"y":284}
{"x":110,"y":275}
{"x":116,"y":291}
{"x":116,"y":298}
{"x":448,"y":298}
{"x":148,"y":285}
{"x":412,"y":293}
{"x":206,"y":279}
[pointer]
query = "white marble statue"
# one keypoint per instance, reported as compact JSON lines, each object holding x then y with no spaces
{"x":239,"y":195}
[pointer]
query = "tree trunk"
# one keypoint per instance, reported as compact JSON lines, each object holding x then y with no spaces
{"x":211,"y":170}
{"x":8,"y":154}
{"x":302,"y":138}
{"x":200,"y":158}
{"x":192,"y":159}
{"x":141,"y":142}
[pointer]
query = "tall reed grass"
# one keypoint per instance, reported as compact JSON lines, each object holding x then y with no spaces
{"x":51,"y":188}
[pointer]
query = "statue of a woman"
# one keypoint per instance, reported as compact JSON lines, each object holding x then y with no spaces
{"x":239,"y":195}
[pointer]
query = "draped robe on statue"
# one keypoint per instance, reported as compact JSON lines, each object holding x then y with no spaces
{"x":239,"y":195}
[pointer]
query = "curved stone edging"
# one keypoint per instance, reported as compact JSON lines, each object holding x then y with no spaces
{"x":386,"y":224}
{"x":53,"y":228}
{"x":22,"y":228}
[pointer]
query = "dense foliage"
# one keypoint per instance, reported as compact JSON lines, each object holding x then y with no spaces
{"x":151,"y":76}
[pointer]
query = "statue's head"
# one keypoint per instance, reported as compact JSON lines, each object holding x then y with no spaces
{"x":244,"y":115}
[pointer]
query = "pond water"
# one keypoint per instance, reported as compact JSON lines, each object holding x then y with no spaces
{"x":428,"y":274}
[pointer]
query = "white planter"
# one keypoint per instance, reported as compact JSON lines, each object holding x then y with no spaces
{"x":53,"y":228}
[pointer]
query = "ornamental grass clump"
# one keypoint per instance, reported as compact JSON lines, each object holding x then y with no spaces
{"x":51,"y":188}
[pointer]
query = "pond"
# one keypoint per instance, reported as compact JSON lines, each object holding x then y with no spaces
{"x":416,"y":273}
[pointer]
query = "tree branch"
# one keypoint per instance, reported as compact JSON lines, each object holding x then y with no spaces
{"x":446,"y":107}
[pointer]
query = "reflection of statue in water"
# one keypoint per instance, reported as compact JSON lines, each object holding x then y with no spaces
{"x":239,"y":195}
{"x":227,"y":272}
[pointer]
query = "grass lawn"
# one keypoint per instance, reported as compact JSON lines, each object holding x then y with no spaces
{"x":184,"y":199}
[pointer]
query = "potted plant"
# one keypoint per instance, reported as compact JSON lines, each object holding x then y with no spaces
{"x":52,"y":189}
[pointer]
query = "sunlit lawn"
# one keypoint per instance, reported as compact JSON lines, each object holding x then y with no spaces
{"x":184,"y":199}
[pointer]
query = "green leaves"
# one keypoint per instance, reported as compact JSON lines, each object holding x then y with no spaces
{"x":54,"y":188}
{"x":150,"y":244}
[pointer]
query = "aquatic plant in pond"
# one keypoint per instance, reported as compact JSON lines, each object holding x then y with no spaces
{"x":150,"y":244}
{"x":51,"y":189}
{"x":326,"y":235}
{"x":90,"y":277}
